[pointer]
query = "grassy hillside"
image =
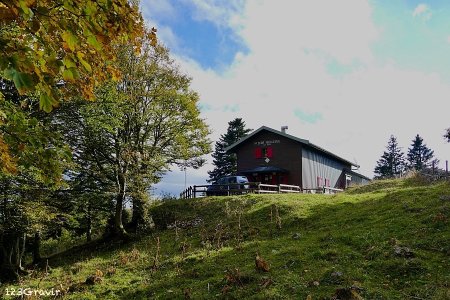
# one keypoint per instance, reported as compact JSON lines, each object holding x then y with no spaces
{"x":387,"y":240}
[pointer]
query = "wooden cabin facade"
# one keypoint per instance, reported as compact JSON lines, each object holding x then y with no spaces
{"x":274,"y":157}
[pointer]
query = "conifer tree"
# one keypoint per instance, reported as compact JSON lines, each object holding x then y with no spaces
{"x":419,"y":156}
{"x":225,"y":163}
{"x":392,"y":162}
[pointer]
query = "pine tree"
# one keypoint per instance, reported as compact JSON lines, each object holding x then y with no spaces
{"x":226,"y":163}
{"x":392,"y":162}
{"x":419,"y":156}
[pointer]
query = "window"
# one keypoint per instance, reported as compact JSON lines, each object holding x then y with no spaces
{"x":264,"y":152}
{"x":269,"y":152}
{"x":258,"y":153}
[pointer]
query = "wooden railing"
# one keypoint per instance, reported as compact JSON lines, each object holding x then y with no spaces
{"x":250,"y":187}
{"x":322,"y":190}
{"x":237,"y":188}
{"x":286,"y":188}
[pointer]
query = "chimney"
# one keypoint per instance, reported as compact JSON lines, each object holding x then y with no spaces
{"x":284,"y":128}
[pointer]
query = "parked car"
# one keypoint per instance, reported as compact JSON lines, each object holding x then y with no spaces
{"x":224,"y":184}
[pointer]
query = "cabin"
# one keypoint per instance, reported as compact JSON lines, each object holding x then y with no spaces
{"x":274,"y":157}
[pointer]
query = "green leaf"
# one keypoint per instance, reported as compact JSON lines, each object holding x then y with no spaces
{"x":90,"y":8}
{"x":23,"y":81}
{"x":26,"y":10}
{"x":68,"y":76}
{"x":70,"y":40}
{"x":92,"y":40}
{"x":69,"y":63}
{"x":85,"y":64}
{"x":2,"y":116}
{"x":71,"y":74}
{"x":46,"y":102}
{"x":9,"y":73}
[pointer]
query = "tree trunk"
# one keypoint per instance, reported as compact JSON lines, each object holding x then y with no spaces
{"x":11,"y":257}
{"x":118,"y":229}
{"x":89,"y":222}
{"x":89,"y":229}
{"x":37,"y":248}
{"x":138,"y":213}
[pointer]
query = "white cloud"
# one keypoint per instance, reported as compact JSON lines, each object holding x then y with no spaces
{"x":218,"y":12}
{"x":158,"y":8}
{"x":422,"y":10}
{"x":341,"y":29}
{"x":290,"y":44}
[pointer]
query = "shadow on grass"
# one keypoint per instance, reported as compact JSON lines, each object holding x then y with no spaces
{"x":341,"y":240}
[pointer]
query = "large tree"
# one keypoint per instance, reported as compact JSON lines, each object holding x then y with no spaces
{"x":39,"y":158}
{"x":138,"y":127}
{"x":419,"y":156}
{"x":226,"y":163}
{"x":447,"y":135}
{"x":46,"y":41}
{"x":392,"y":162}
{"x":51,"y":49}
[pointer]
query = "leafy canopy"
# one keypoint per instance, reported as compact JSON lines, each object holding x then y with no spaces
{"x":138,"y":127}
{"x":56,"y":47}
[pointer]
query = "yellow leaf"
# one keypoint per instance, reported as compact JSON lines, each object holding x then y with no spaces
{"x":85,"y":64}
{"x":70,"y":40}
{"x":7,"y":161}
{"x":68,"y":75}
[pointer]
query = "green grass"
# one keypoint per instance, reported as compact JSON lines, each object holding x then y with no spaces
{"x":325,"y":243}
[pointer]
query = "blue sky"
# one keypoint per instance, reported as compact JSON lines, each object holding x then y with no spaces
{"x":193,"y":34}
{"x":343,"y":74}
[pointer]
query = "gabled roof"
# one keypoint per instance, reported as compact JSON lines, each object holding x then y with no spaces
{"x":291,"y":137}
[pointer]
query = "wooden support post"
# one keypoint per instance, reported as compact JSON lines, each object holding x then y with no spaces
{"x":195,"y":191}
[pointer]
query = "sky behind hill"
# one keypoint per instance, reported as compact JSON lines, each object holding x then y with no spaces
{"x":343,"y":74}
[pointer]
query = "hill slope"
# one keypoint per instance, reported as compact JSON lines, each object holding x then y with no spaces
{"x":386,"y":240}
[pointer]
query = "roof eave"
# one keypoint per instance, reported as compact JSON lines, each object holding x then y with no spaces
{"x":232,"y":146}
{"x":302,"y":141}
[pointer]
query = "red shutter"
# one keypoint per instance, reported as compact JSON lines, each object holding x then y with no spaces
{"x":269,"y":152}
{"x":258,"y":153}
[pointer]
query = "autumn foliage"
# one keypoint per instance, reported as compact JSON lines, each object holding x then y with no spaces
{"x":56,"y":47}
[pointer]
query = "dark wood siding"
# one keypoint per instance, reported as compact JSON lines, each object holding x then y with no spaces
{"x":285,"y":153}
